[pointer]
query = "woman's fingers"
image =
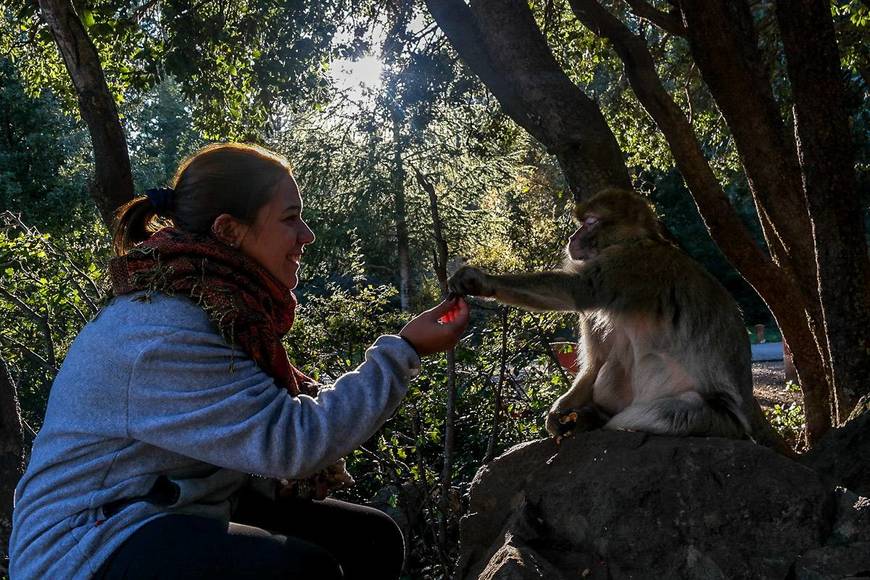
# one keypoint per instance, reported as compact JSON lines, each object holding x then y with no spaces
{"x":442,"y":311}
{"x":458,"y":306}
{"x":439,"y":328}
{"x":457,"y":317}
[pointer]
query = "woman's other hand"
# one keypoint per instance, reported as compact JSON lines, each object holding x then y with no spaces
{"x":439,"y":328}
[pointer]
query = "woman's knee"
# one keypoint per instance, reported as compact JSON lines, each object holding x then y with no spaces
{"x":377,"y":525}
{"x":384,"y":537}
{"x":307,"y":560}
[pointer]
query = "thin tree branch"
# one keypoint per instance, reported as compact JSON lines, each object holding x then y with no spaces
{"x":497,"y":398}
{"x":41,"y":321}
{"x":29,"y":354}
{"x":30,"y":312}
{"x":666,"y":21}
{"x":141,"y":11}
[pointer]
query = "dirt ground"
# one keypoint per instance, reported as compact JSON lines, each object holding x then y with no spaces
{"x":768,"y":379}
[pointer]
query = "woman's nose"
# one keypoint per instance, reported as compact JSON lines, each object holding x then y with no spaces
{"x":307,"y":236}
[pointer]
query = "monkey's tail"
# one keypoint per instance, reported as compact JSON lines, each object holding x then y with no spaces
{"x":715,"y":414}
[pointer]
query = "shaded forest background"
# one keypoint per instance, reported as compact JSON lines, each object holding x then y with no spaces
{"x":425,"y":154}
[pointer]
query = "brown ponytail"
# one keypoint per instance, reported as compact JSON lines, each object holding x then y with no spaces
{"x":134,"y":222}
{"x":232,"y":178}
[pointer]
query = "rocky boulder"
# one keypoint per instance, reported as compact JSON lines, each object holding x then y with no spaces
{"x":843,"y":455}
{"x":630,"y":505}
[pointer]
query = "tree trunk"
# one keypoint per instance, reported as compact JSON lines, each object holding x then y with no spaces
{"x":725,"y":47}
{"x":827,"y":167}
{"x":500,"y":42}
{"x":113,"y":183}
{"x":11,"y":452}
{"x":402,"y":238}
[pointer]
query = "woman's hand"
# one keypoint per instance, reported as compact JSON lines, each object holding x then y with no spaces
{"x":439,"y":328}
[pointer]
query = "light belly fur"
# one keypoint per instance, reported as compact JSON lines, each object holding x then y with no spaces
{"x":637,"y":370}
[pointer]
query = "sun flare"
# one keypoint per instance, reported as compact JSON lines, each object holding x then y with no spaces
{"x":354,"y":75}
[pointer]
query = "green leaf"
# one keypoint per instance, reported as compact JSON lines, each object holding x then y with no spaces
{"x":87,"y":17}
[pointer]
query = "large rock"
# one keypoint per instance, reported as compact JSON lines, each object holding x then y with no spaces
{"x":631,"y":505}
{"x":843,"y":455}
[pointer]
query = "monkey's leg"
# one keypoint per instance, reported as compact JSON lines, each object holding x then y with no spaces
{"x":686,"y":414}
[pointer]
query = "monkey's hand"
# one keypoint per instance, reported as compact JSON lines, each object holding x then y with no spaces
{"x":469,"y":280}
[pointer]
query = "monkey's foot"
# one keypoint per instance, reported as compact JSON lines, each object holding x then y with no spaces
{"x":564,"y":423}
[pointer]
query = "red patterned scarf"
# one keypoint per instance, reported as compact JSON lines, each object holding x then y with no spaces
{"x":250,"y":307}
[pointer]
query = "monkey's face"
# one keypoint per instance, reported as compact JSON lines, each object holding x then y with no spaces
{"x":611,"y":218}
{"x":582,"y":245}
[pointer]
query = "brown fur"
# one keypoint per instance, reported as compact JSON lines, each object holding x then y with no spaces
{"x":663,"y":346}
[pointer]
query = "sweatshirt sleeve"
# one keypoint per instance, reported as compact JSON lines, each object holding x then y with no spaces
{"x":192,"y":394}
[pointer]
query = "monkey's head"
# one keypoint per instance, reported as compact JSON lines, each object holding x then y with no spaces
{"x":610,"y":218}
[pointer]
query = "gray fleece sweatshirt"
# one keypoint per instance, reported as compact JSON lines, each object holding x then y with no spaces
{"x":150,"y":389}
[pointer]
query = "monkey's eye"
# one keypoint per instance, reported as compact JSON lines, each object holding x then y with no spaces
{"x":590,"y":220}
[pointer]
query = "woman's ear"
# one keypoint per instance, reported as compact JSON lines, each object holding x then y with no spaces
{"x":228,"y":230}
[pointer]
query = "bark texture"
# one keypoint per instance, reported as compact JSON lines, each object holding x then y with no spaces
{"x":112,"y":185}
{"x":11,"y":452}
{"x":824,"y":147}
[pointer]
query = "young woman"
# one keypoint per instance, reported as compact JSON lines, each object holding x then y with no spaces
{"x":176,"y":413}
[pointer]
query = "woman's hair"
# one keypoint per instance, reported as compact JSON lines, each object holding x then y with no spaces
{"x":232,"y":178}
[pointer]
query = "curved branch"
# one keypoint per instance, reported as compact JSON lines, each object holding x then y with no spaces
{"x":725,"y":47}
{"x":668,"y":22}
{"x":502,"y":44}
{"x":719,"y":215}
{"x":113,"y":185}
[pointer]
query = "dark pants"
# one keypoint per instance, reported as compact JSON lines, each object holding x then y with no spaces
{"x":296,"y":539}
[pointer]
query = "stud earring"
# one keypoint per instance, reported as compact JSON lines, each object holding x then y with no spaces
{"x":225,"y":239}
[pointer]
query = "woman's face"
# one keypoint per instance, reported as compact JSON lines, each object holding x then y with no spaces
{"x":279,"y":235}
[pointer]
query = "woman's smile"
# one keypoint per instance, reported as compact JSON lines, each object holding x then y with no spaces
{"x":279,"y":225}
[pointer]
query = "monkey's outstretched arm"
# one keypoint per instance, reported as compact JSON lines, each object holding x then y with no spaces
{"x":542,"y":291}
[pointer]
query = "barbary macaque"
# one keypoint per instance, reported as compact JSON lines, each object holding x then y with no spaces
{"x":663,"y":348}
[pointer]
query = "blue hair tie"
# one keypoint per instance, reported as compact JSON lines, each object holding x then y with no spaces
{"x":161,"y":199}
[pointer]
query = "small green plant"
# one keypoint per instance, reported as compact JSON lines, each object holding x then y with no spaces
{"x":789,"y":420}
